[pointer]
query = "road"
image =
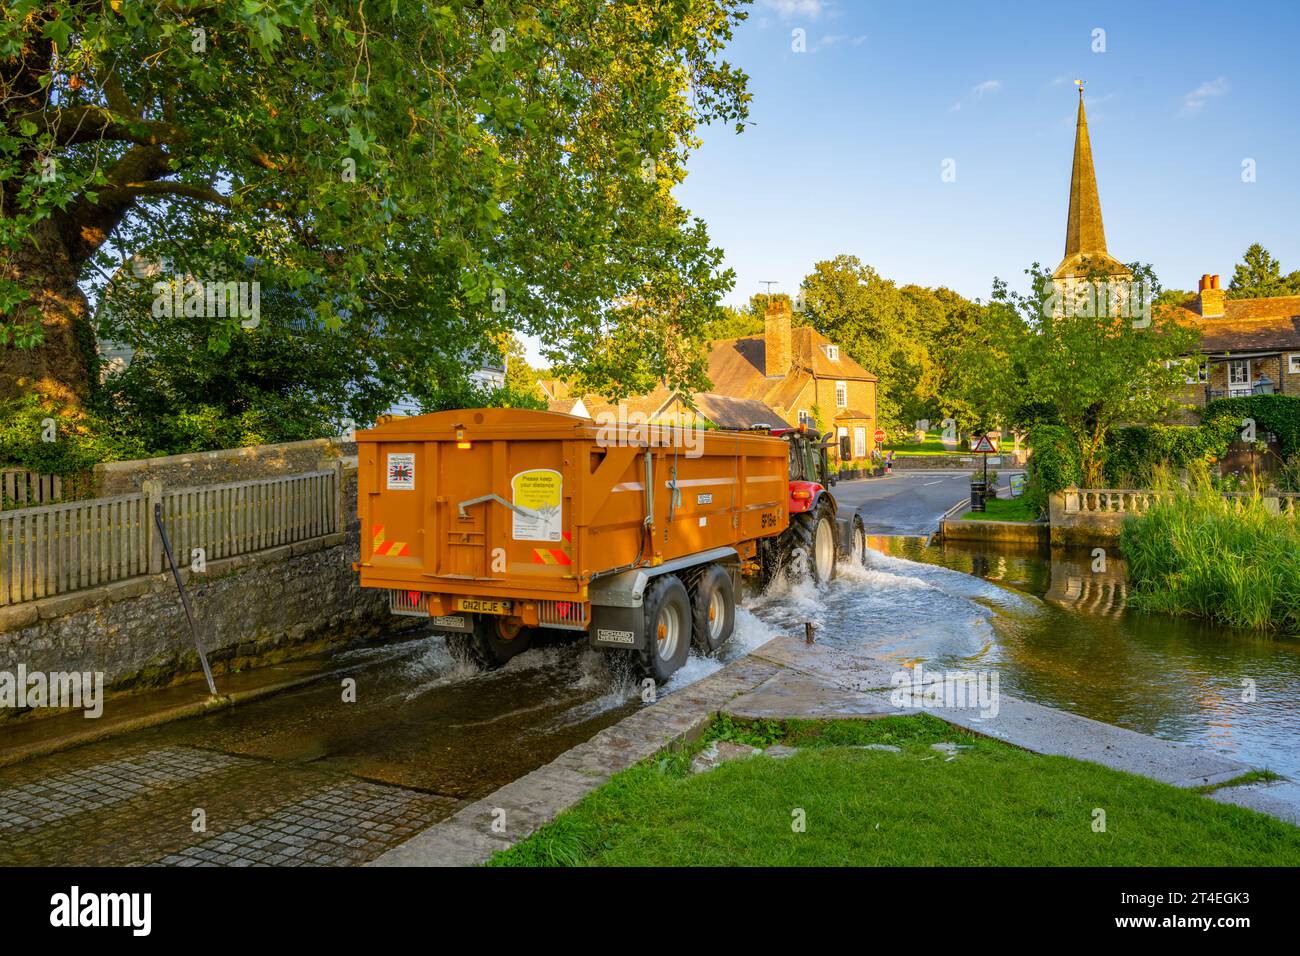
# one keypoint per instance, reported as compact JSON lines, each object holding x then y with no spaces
{"x":308,"y":777}
{"x":906,"y":502}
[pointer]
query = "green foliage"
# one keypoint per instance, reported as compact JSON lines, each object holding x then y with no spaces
{"x":441,"y":173}
{"x":1229,"y":560}
{"x":1054,"y":465}
{"x":1097,"y":369}
{"x":1135,"y":454}
{"x":1279,"y":414}
{"x":903,"y":336}
{"x":1259,"y":275}
{"x":80,"y":440}
{"x":730,"y":323}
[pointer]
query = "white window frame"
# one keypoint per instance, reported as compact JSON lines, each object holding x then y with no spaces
{"x":859,"y":441}
{"x":805,"y":417}
{"x":1235,"y":365}
{"x":842,"y":391}
{"x":833,"y":353}
{"x":1293,"y":363}
{"x":1200,"y":374}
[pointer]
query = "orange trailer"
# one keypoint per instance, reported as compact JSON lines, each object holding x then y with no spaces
{"x":493,"y":522}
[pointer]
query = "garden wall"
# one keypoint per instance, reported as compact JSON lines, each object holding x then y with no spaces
{"x":269,"y":604}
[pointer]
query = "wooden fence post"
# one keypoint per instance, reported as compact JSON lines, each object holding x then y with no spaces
{"x":340,"y":509}
{"x":154,"y":552}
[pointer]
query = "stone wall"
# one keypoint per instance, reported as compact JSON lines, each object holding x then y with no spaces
{"x":217,"y":467}
{"x":1082,"y":529}
{"x":251,"y":608}
{"x":954,"y":463}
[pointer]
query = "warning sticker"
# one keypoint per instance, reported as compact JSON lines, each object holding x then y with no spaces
{"x":401,"y":471}
{"x":540,"y":492}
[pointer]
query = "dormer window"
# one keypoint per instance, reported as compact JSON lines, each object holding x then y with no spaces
{"x":833,"y":353}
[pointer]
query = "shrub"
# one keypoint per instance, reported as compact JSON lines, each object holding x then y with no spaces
{"x":81,"y":439}
{"x":1053,"y":465}
{"x":1229,"y":560}
{"x":1135,"y":454}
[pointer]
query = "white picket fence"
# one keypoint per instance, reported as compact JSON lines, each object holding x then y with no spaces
{"x":60,"y":548}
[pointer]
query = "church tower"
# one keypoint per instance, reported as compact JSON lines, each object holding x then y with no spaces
{"x":1085,"y":234}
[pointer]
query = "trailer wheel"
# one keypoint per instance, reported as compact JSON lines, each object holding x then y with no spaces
{"x":495,"y":640}
{"x":667,"y":627}
{"x":714,"y":609}
{"x":859,"y":543}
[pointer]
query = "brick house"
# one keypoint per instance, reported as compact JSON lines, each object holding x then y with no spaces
{"x":786,"y":376}
{"x":798,"y":372}
{"x":1248,"y":347}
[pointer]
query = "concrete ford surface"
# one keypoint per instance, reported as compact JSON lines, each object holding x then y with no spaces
{"x":495,"y":522}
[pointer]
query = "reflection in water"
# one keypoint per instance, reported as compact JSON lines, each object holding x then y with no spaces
{"x":1057,"y":632}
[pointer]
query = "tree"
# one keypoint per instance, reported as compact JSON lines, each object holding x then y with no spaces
{"x":850,"y":304}
{"x":733,"y":323}
{"x":1259,"y":275}
{"x":1094,"y":368}
{"x":437,"y":174}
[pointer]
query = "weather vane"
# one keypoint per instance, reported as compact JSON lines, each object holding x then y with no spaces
{"x":1079,"y":84}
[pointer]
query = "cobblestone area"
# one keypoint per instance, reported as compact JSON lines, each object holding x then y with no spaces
{"x":143,"y":808}
{"x":342,"y":826}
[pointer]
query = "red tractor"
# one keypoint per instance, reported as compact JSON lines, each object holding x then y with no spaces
{"x":818,"y":534}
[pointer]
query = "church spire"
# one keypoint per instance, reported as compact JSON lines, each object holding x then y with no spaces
{"x":1085,"y":236}
{"x":1084,"y":232}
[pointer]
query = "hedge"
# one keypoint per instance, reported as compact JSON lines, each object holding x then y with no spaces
{"x":1279,"y":414}
{"x":1053,"y":465}
{"x":1135,"y":453}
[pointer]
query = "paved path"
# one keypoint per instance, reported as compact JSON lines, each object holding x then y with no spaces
{"x":906,"y":502}
{"x":786,"y":678}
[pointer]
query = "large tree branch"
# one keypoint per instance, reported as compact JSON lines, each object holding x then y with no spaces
{"x":86,"y":124}
{"x":163,"y":187}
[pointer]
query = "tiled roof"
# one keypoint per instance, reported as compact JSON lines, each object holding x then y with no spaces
{"x":1248,"y":325}
{"x":727,"y":412}
{"x":849,"y":414}
{"x":736,"y":367}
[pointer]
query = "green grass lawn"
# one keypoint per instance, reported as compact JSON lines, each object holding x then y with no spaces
{"x":991,"y":805}
{"x":932,"y":445}
{"x":1003,"y":509}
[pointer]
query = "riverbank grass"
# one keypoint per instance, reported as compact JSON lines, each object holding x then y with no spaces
{"x":1230,"y":560}
{"x":1003,"y":509}
{"x":991,"y":804}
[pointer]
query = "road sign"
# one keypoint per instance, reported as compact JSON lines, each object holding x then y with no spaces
{"x":983,"y":446}
{"x":880,"y":436}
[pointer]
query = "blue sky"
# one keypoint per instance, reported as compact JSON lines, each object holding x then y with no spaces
{"x":848,"y":138}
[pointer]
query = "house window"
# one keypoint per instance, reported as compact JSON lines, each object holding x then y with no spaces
{"x":1293,"y":363}
{"x":859,"y":442}
{"x":841,"y":394}
{"x":1239,"y":372}
{"x":804,"y":417}
{"x":1198,"y":375}
{"x":833,"y":353}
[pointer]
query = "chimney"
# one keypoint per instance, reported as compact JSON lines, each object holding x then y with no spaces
{"x":776,"y":338}
{"x":1210,"y":302}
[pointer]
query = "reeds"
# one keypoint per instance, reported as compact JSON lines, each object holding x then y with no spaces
{"x":1231,"y":560}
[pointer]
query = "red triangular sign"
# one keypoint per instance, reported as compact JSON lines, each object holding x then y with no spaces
{"x":983,"y":444}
